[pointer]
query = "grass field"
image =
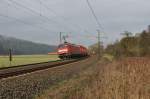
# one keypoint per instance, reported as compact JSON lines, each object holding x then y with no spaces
{"x":26,"y":59}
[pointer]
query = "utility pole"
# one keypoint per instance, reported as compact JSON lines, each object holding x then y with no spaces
{"x":10,"y":56}
{"x":60,"y":36}
{"x":64,"y":37}
{"x":98,"y":44}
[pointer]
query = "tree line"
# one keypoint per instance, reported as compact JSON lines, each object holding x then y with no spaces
{"x":129,"y":46}
{"x":137,"y":45}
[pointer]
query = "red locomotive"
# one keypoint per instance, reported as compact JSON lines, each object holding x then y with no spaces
{"x":68,"y":50}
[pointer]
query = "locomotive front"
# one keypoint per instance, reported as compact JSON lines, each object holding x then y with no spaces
{"x":63,"y":51}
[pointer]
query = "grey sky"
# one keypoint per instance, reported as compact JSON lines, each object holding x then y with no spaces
{"x":72,"y":17}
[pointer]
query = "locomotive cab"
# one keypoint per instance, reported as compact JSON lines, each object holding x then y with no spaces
{"x":63,"y":51}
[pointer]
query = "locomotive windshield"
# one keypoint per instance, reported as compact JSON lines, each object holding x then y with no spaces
{"x":62,"y":46}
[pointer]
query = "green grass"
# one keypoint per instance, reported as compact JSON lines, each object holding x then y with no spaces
{"x":26,"y":59}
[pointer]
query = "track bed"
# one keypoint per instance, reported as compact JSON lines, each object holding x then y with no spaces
{"x":18,"y":70}
{"x":30,"y":85}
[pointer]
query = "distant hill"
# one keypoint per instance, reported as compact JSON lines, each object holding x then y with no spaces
{"x":23,"y":47}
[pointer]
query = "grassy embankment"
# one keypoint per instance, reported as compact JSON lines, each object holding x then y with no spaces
{"x":124,"y":79}
{"x":26,"y":59}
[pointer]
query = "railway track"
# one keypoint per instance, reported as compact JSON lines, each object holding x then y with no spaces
{"x":23,"y":69}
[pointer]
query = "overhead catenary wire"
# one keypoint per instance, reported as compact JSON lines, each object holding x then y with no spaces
{"x":37,"y":13}
{"x":99,"y":25}
{"x":27,"y":10}
{"x":62,"y":17}
{"x":93,"y":13}
{"x":16,"y":7}
{"x":34,"y":12}
{"x":24,"y":22}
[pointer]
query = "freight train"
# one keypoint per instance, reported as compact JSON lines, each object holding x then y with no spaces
{"x":68,"y":51}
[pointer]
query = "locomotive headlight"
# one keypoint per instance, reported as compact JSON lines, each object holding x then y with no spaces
{"x":63,"y":50}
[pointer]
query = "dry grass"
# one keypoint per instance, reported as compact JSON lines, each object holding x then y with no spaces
{"x":123,"y":79}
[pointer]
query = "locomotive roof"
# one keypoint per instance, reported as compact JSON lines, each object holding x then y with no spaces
{"x":66,"y":43}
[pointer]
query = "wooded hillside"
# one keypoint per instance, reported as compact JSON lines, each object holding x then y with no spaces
{"x":23,"y":47}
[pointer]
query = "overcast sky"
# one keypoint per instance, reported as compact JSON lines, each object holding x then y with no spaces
{"x":42,"y":20}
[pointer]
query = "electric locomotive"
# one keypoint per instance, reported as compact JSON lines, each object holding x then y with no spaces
{"x":68,"y":51}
